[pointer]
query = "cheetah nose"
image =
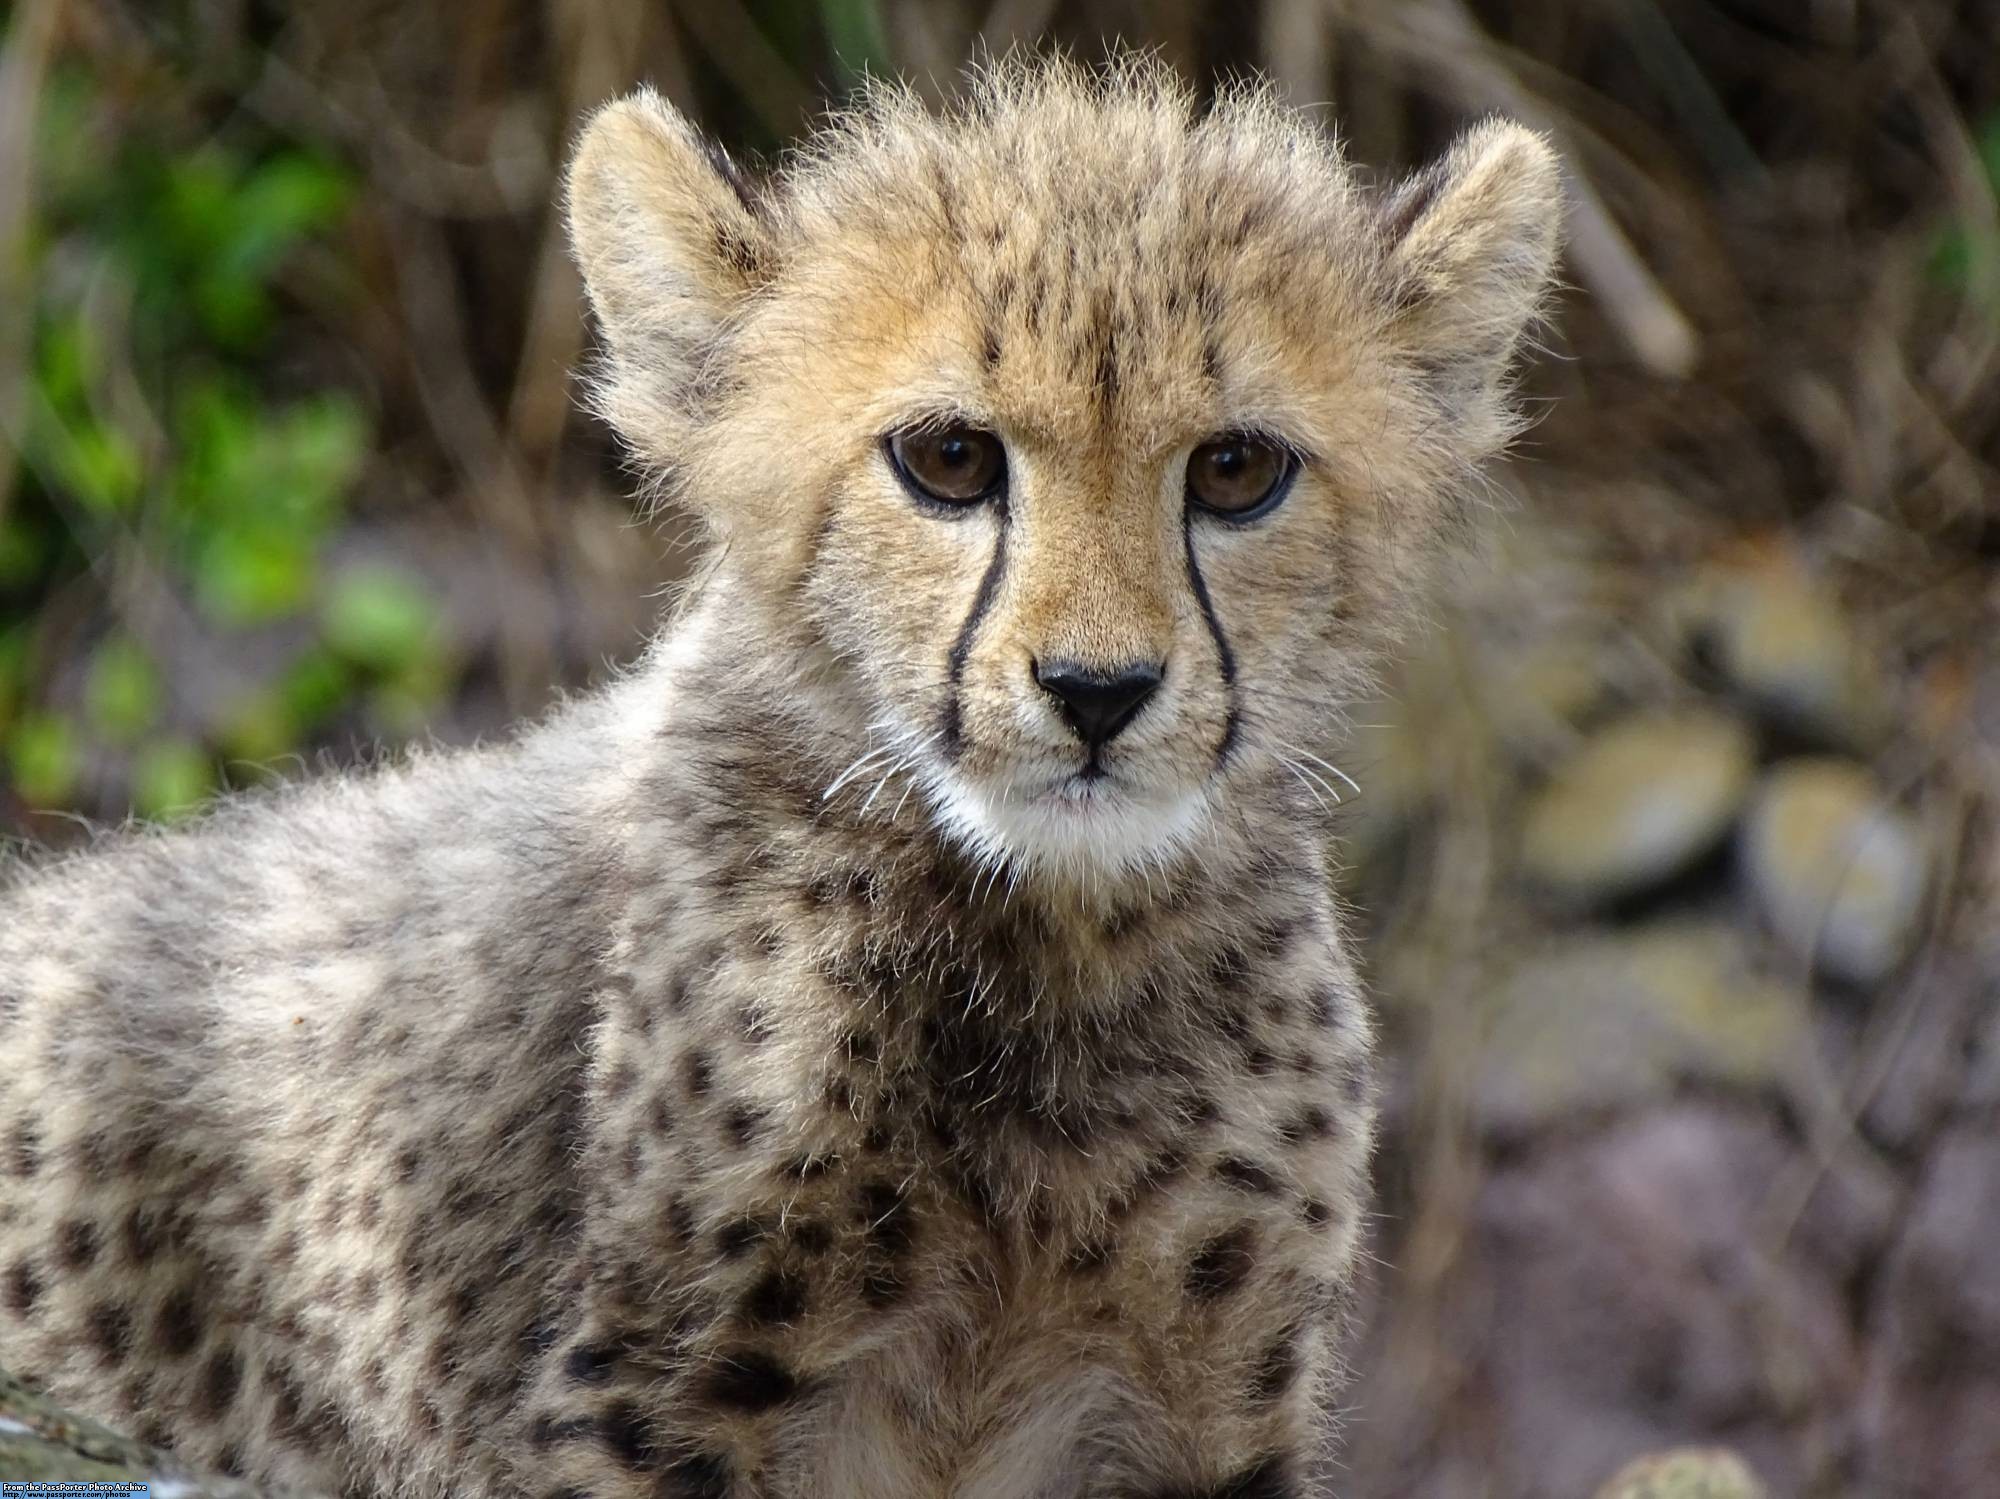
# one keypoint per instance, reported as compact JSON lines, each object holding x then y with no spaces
{"x":1097,"y":705}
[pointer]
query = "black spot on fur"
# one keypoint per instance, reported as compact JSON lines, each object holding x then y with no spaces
{"x":740,"y":1123}
{"x":735,"y":1238}
{"x":177,"y":1326}
{"x":465,"y":1302}
{"x":1267,"y":1480}
{"x":1278,"y":1370}
{"x":592,"y":1363}
{"x":24,"y":1149}
{"x":679,"y":1219}
{"x":697,"y":1475}
{"x":287,"y":1404}
{"x":1310,"y":1123}
{"x":1315,"y":1213}
{"x":221,"y":1378}
{"x":698,"y":1073}
{"x":76,"y":1244}
{"x":23,"y":1288}
{"x":1222,"y":1263}
{"x":627,"y":1437}
{"x":739,"y":252}
{"x":108,"y":1327}
{"x":749,"y":1381}
{"x":810,"y":1236}
{"x":1229,"y":969}
{"x":1354,"y":1081}
{"x":776,"y":1296}
{"x":141,"y":1149}
{"x":885,"y":1212}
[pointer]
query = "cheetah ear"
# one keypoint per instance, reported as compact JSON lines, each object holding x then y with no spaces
{"x":1471,"y":247}
{"x":671,"y":238}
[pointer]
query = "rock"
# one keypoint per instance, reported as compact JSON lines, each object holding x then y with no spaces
{"x":1783,"y":645}
{"x":1625,"y":1296}
{"x":1643,"y":800}
{"x":39,"y":1440}
{"x":1840,"y":874}
{"x":1691,"y":1473}
{"x":1537,"y":700}
{"x":1935,"y":1380}
{"x":1618,"y":1021}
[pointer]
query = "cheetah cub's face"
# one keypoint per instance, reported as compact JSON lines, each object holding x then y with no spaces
{"x":1090,"y":445}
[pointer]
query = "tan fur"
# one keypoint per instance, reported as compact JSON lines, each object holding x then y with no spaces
{"x":780,"y":1075}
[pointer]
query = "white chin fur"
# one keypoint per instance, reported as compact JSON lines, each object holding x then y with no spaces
{"x":1104,"y":833}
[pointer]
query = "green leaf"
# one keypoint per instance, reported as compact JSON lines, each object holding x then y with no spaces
{"x":100,"y":466}
{"x":43,"y":754}
{"x":315,"y":688}
{"x":379,"y":617}
{"x":123,"y":692}
{"x":250,"y":576}
{"x":286,"y":470}
{"x":24,"y":551}
{"x":13,"y":669}
{"x":65,"y":356}
{"x":859,"y":40}
{"x":284,"y":201}
{"x":403,"y":703}
{"x":171,"y":779}
{"x":1989,"y":149}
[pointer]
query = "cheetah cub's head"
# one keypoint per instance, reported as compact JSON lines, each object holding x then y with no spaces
{"x":1082,"y":446}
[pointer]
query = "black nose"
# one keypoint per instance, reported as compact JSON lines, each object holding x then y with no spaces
{"x":1097,"y":704}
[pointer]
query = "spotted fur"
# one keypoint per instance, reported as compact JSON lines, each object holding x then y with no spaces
{"x":783,"y":1073}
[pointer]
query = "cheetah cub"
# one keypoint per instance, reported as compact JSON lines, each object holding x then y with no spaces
{"x":896,"y":1041}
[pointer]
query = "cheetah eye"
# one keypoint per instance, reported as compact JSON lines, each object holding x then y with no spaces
{"x":1239,"y":476}
{"x":956,"y":465}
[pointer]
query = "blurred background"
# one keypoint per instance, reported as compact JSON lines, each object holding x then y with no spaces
{"x":1673,"y":847}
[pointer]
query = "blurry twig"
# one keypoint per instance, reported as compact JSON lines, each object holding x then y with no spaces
{"x":24,"y":60}
{"x":1443,"y":36}
{"x":743,"y":55}
{"x":1296,"y":47}
{"x":1012,"y":23}
{"x":397,"y":160}
{"x":466,"y":429}
{"x":601,"y":42}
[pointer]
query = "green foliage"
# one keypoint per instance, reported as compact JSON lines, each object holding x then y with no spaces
{"x":1967,"y":259}
{"x":859,"y":40}
{"x":153,"y":443}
